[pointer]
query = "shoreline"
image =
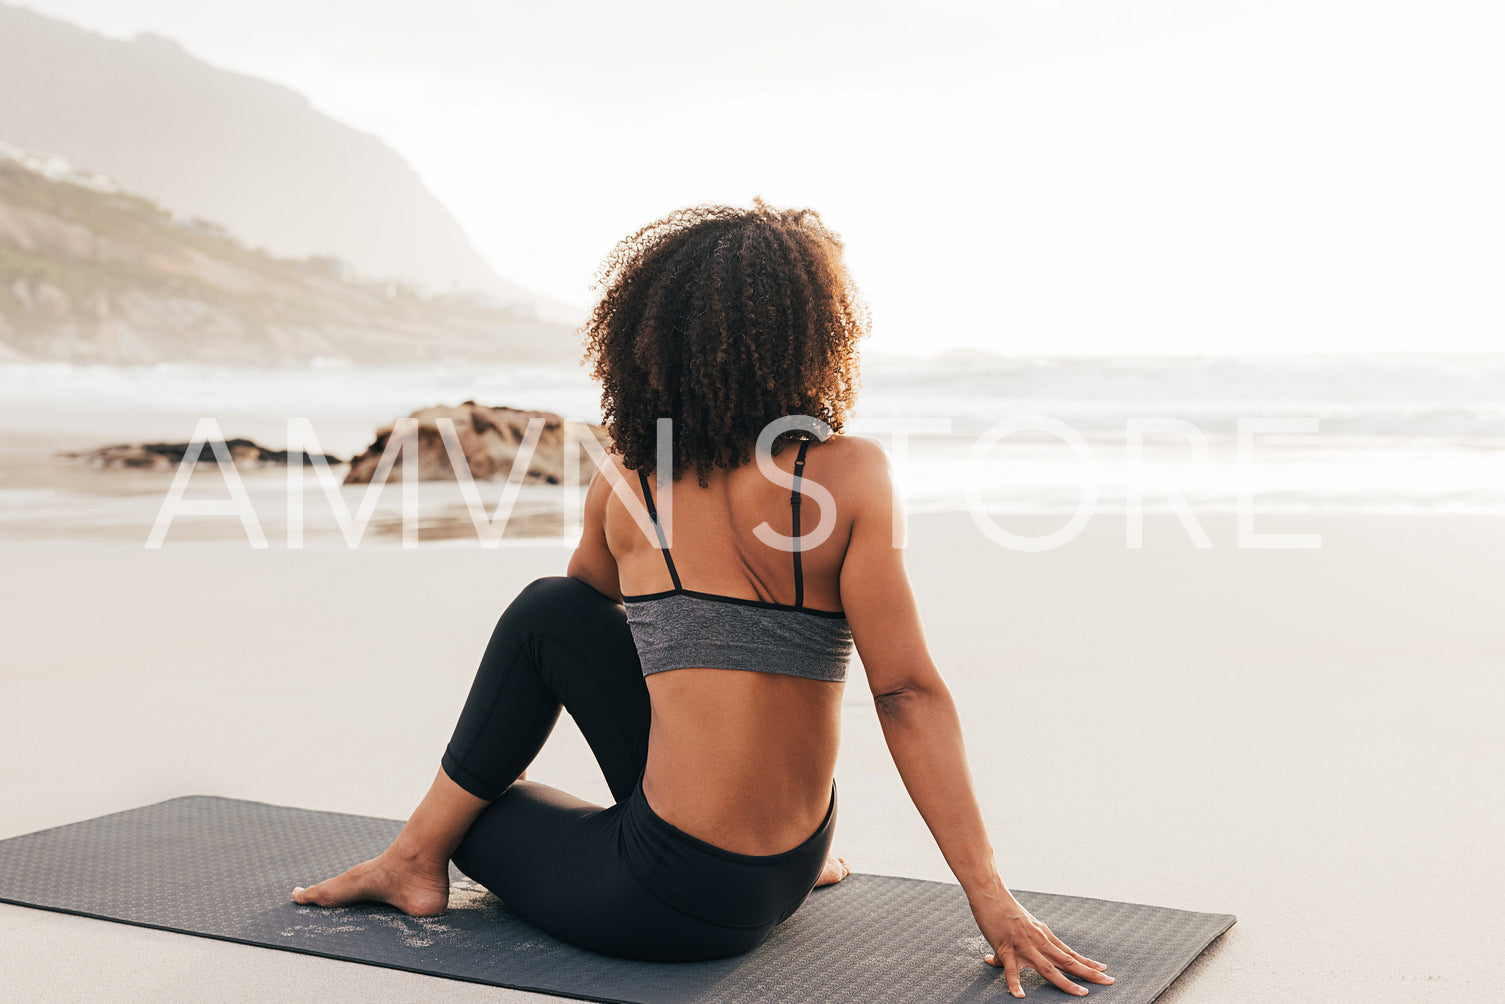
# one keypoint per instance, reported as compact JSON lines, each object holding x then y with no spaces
{"x":1019,"y":476}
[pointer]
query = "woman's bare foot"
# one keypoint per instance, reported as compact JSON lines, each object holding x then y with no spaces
{"x":835,"y":870}
{"x":417,"y":888}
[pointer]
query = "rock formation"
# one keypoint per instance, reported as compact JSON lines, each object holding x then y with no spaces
{"x":166,"y":456}
{"x":490,"y":439}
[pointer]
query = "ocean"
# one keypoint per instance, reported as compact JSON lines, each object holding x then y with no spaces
{"x":1353,"y":433}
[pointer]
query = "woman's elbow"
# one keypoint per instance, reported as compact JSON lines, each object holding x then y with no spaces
{"x":905,"y":700}
{"x":891,"y":704}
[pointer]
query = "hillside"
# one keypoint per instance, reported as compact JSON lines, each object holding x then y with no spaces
{"x":90,"y":274}
{"x":251,"y":155}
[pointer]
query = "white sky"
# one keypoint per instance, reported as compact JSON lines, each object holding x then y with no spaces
{"x":1057,"y":176}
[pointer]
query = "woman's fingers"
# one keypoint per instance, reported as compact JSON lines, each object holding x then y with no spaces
{"x":1005,"y":959}
{"x":1072,"y":951}
{"x":1012,"y":964}
{"x":1079,"y":969}
{"x":1035,"y":947}
{"x":1042,"y":965}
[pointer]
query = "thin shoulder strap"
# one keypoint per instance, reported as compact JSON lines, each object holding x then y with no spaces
{"x":794,"y":504}
{"x":663,"y":542}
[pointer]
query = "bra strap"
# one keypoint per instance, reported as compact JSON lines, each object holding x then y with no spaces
{"x":794,"y":505}
{"x":663,"y":542}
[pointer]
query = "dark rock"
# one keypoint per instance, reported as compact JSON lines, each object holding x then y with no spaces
{"x":489,"y":439}
{"x":165,"y":456}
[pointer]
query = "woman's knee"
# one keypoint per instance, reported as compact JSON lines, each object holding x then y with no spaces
{"x":564,"y":608}
{"x":550,"y":588}
{"x":556,"y":597}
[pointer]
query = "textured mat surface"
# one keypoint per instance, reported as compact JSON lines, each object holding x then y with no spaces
{"x":222,"y":868}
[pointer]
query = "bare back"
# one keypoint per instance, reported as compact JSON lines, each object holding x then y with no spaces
{"x":743,"y":760}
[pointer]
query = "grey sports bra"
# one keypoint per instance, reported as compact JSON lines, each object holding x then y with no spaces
{"x":681,"y":628}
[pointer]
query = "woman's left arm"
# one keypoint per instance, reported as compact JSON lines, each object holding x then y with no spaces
{"x":593,"y":562}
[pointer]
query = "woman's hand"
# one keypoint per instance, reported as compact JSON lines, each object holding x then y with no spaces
{"x":1019,"y":941}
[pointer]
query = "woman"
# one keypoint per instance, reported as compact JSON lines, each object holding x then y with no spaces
{"x":706,"y":670}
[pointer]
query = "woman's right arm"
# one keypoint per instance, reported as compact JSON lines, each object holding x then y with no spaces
{"x":923,"y":732}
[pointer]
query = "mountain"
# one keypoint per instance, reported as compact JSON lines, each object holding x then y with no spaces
{"x":92,"y":274}
{"x":248,"y":154}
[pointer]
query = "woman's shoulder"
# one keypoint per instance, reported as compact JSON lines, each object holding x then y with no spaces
{"x":854,"y":469}
{"x":857,"y":457}
{"x":840,"y":461}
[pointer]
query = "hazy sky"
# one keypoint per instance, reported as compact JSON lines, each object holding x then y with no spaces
{"x":1139,"y":176}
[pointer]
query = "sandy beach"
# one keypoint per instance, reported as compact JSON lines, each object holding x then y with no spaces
{"x":1304,"y":738}
{"x":1207,"y":294}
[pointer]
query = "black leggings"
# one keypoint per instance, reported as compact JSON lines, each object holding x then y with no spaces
{"x":617,"y":880}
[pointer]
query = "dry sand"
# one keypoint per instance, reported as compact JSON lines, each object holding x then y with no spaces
{"x":1308,"y":739}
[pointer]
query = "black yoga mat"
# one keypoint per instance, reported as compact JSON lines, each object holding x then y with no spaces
{"x":222,"y":868}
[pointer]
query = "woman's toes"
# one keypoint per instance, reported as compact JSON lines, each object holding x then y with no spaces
{"x":350,"y":887}
{"x":417,"y":892}
{"x":834,"y":871}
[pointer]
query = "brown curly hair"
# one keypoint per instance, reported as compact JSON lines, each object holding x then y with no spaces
{"x":723,"y":319}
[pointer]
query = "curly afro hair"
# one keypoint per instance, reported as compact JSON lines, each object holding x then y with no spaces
{"x":723,"y":319}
